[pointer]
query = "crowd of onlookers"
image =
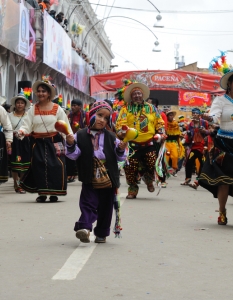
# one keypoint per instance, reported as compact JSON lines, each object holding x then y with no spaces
{"x":45,"y":5}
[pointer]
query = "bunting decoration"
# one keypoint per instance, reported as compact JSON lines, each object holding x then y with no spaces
{"x":68,"y":105}
{"x":60,"y":99}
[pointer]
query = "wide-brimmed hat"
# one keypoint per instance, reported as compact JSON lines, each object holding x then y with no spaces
{"x":2,"y":100}
{"x":48,"y":84}
{"x":20,"y":96}
{"x":171,"y":111}
{"x":224,"y":79}
{"x":143,"y":87}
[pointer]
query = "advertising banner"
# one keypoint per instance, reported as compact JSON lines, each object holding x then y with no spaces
{"x":194,"y":99}
{"x":57,"y":46}
{"x":158,"y":80}
{"x":80,"y":73}
{"x":23,"y":30}
{"x":16,"y":28}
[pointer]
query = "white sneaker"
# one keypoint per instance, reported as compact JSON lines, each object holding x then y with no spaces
{"x":83,"y":235}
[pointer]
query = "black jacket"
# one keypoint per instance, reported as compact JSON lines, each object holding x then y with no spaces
{"x":85,"y":160}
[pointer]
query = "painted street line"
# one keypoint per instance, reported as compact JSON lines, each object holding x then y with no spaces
{"x":79,"y":257}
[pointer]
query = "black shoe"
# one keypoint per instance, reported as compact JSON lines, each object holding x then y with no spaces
{"x":41,"y":199}
{"x":100,"y":240}
{"x":53,"y":198}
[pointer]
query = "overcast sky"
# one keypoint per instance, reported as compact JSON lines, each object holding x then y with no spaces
{"x":200,"y":35}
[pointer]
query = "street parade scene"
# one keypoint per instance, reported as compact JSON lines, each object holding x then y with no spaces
{"x":116,"y":162}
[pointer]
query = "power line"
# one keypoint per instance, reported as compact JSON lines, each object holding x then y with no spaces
{"x":171,"y":11}
{"x":171,"y":28}
{"x":177,"y":33}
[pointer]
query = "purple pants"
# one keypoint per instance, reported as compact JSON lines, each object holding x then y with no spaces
{"x":96,"y":204}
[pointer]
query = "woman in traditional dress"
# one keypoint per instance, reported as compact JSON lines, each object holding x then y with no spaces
{"x":217,"y":172}
{"x":20,"y":156}
{"x":47,"y":172}
{"x":6,"y":138}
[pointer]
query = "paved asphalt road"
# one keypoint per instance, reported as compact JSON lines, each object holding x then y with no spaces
{"x":172,"y":248}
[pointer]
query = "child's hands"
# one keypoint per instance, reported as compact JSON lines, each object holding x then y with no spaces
{"x":70,"y":139}
{"x":122,"y":145}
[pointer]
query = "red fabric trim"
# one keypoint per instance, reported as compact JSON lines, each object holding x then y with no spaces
{"x":53,"y":111}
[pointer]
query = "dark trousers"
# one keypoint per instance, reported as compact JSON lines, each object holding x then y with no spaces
{"x":193,"y":155}
{"x":96,"y":204}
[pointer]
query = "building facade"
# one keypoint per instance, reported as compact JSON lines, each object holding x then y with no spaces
{"x":93,"y":50}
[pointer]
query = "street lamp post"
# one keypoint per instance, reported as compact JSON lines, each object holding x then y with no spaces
{"x":84,"y":40}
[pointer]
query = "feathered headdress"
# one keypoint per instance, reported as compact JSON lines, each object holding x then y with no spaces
{"x":120,"y":92}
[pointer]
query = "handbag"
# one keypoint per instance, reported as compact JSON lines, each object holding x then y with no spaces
{"x":100,"y":178}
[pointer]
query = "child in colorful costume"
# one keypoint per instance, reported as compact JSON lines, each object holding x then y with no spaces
{"x":96,"y":142}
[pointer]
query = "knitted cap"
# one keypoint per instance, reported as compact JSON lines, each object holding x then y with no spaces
{"x":97,"y":106}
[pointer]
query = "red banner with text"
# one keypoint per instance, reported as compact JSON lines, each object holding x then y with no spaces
{"x":158,"y":80}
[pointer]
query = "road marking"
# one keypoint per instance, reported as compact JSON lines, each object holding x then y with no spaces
{"x":79,"y":257}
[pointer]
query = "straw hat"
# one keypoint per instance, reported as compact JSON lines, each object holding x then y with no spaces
{"x":171,"y":111}
{"x":48,"y":84}
{"x":224,"y":79}
{"x":143,"y":87}
{"x":20,"y":96}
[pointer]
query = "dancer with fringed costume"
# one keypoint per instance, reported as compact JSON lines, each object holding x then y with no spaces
{"x":97,"y":201}
{"x":217,"y":172}
{"x":147,"y":121}
{"x":47,"y":172}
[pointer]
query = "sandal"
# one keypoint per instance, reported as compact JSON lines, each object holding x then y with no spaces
{"x":194,"y":185}
{"x":186,"y":182}
{"x":41,"y":199}
{"x":222,"y":219}
{"x":19,"y":190}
